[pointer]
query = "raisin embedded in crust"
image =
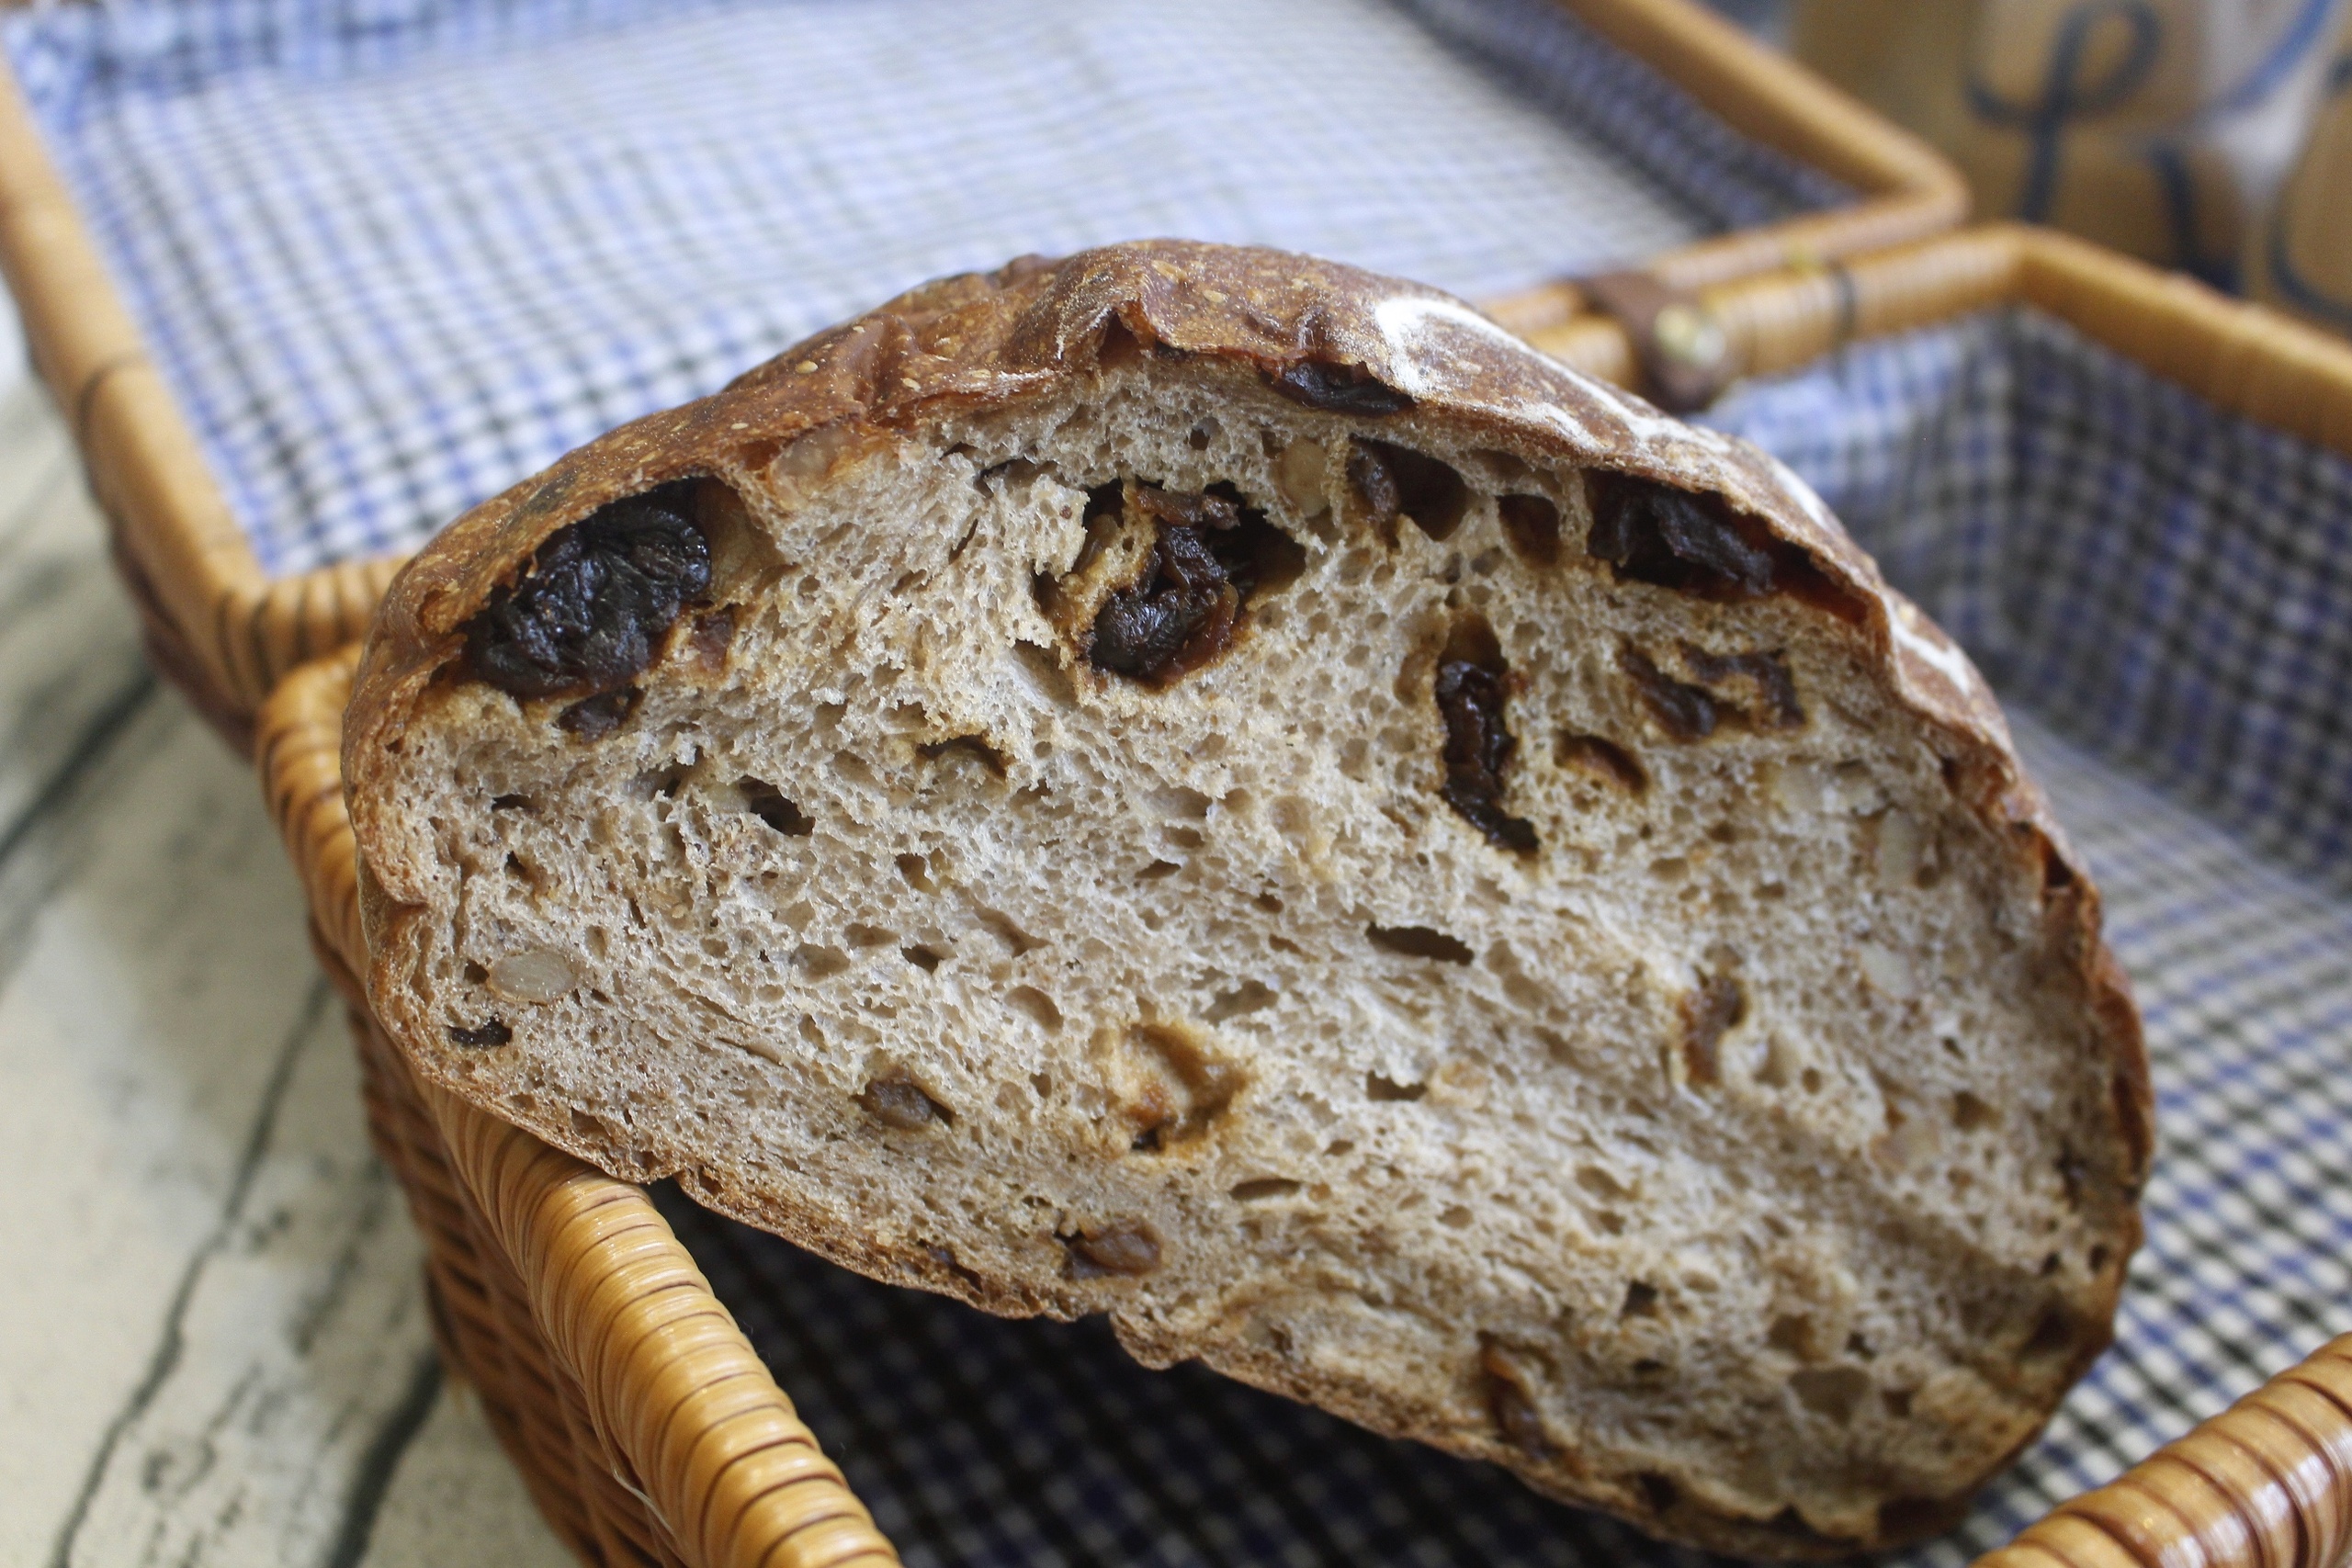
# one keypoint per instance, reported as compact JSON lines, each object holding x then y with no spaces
{"x":1710,"y":1013}
{"x":1472,"y":688}
{"x":1375,"y":485}
{"x":1517,"y":1421}
{"x":1649,"y":532}
{"x":597,"y":599}
{"x":898,"y":1102}
{"x":1176,"y":616}
{"x":1396,"y":481}
{"x":1653,"y":533}
{"x":1338,"y":388}
{"x":1531,"y":523}
{"x":1129,"y":1250}
{"x":1693,"y":711}
{"x":1768,"y":672}
{"x":1686,"y":711}
{"x":593,"y":718}
{"x":1604,"y":759}
{"x":1211,"y":554}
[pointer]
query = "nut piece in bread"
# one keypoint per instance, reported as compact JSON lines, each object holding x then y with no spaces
{"x":1208,"y":786}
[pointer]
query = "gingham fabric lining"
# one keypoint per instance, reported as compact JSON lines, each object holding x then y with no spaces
{"x":2169,"y":585}
{"x":2028,"y":482}
{"x":395,"y":254}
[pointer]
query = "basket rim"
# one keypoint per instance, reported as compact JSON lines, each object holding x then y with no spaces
{"x":2243,"y":358}
{"x":243,"y":630}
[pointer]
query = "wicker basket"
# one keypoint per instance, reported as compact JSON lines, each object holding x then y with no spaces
{"x":2244,"y":359}
{"x":228,"y":631}
{"x":647,"y":1430}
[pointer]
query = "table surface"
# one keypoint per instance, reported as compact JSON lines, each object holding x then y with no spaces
{"x":213,"y":1346}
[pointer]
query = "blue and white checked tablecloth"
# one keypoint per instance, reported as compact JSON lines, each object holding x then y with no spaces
{"x":2165,"y":593}
{"x":395,"y":254}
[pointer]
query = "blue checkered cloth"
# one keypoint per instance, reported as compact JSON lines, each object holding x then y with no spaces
{"x":2162,"y":592}
{"x":393,"y":256}
{"x":2169,"y":586}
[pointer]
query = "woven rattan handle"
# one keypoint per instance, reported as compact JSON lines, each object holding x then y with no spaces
{"x":2244,"y":359}
{"x":2266,"y":1484}
{"x":672,"y":1383}
{"x":674,"y":1390}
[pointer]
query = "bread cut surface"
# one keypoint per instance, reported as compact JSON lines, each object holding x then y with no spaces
{"x":1208,"y":786}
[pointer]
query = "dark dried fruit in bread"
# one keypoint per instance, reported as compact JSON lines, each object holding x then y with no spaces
{"x":596,"y":598}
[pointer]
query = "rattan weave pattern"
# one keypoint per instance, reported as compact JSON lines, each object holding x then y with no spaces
{"x":2267,"y":1483}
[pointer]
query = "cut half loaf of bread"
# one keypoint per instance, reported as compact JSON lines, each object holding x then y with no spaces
{"x":1208,"y":786}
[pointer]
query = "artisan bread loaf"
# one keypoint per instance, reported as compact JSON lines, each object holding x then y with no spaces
{"x":1207,"y":786}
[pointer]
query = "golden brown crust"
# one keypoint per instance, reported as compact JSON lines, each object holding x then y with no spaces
{"x":1312,"y":330}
